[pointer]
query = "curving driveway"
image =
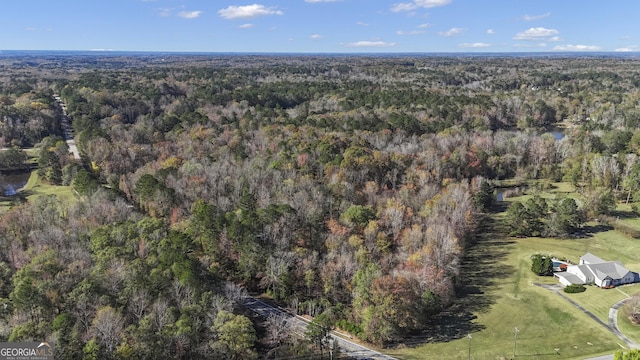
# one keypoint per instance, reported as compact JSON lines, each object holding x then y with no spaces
{"x":612,"y":326}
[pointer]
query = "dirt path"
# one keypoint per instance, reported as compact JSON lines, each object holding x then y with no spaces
{"x":612,"y":326}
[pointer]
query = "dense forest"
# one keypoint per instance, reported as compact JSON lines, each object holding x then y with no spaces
{"x":343,"y":188}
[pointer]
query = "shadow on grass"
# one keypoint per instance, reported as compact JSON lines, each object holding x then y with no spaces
{"x":590,"y":230}
{"x":480,"y":271}
{"x":536,"y":354}
{"x":624,"y":214}
{"x":12,"y":200}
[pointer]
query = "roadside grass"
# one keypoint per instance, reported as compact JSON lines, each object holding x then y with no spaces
{"x":508,"y":299}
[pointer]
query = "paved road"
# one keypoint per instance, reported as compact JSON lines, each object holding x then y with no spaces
{"x":347,"y":347}
{"x":66,"y":130}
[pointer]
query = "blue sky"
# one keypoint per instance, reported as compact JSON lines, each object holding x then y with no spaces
{"x":321,"y":26}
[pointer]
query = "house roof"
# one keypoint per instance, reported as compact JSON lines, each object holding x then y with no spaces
{"x":589,"y":258}
{"x":613,"y":269}
{"x":596,"y":268}
{"x":569,"y":277}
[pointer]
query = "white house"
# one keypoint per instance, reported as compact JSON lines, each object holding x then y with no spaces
{"x":594,"y":270}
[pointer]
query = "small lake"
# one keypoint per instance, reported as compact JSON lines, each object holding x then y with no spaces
{"x":10,"y":184}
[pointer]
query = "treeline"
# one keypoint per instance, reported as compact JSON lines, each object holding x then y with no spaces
{"x":345,"y":190}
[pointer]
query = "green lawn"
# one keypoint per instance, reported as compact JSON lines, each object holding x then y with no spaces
{"x":599,"y":301}
{"x":546,"y":321}
{"x":36,"y":187}
{"x":627,"y":328}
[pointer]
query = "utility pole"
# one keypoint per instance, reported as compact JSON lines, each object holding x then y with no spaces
{"x":333,"y":345}
{"x":515,"y":339}
{"x":469,"y":336}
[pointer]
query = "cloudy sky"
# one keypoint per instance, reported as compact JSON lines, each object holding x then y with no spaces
{"x":321,"y":26}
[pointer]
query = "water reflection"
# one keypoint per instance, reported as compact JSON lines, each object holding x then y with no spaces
{"x":502,"y":193}
{"x":558,"y":133}
{"x":10,"y":184}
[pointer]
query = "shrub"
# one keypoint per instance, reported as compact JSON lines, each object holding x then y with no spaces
{"x":574,"y":288}
{"x":350,"y":327}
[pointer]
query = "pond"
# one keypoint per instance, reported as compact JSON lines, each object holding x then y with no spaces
{"x":502,"y":193}
{"x":11,"y":183}
{"x":558,"y":133}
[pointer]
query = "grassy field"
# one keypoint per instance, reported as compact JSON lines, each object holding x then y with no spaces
{"x":630,"y":330}
{"x":36,"y":187}
{"x":502,"y":297}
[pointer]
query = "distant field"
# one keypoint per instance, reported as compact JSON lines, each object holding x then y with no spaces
{"x":36,"y":187}
{"x":546,"y":322}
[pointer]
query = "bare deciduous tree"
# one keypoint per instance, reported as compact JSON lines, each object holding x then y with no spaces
{"x":107,"y":326}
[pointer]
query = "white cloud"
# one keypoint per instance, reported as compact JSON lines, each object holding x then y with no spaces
{"x":555,"y":39}
{"x":452,"y":32}
{"x":316,"y":36}
{"x":247,"y":11}
{"x":535,"y":17}
{"x":246,"y":26}
{"x":628,"y":48}
{"x":536,"y":34}
{"x":491,"y":31}
{"x":474,"y":45}
{"x":423,"y":26}
{"x":190,"y":14}
{"x":320,"y":1}
{"x":410,"y":32}
{"x":529,"y":45}
{"x":416,"y":4}
{"x":569,"y":47}
{"x":164,"y":12}
{"x":360,"y":23}
{"x":370,"y":44}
